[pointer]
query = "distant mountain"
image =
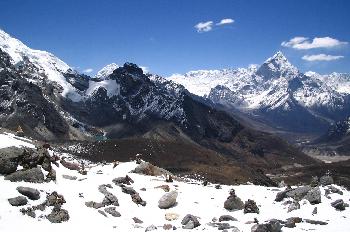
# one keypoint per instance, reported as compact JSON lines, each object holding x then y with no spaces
{"x":276,"y":92}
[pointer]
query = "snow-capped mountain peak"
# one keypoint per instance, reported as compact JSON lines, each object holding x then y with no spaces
{"x":106,"y":71}
{"x":49,"y":66}
{"x":277,"y":66}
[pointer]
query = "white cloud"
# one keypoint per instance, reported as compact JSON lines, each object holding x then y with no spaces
{"x":88,"y":70}
{"x":204,"y":26}
{"x":303,"y":43}
{"x":321,"y":57}
{"x":225,"y":21}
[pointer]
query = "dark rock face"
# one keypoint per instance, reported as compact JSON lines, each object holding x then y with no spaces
{"x":9,"y":159}
{"x":79,"y":81}
{"x":18,"y":201}
{"x":233,"y":202}
{"x":34,"y":175}
{"x":31,"y":193}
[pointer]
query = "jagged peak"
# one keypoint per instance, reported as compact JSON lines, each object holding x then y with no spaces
{"x":106,"y":71}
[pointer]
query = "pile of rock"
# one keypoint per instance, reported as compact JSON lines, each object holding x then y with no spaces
{"x":233,"y":202}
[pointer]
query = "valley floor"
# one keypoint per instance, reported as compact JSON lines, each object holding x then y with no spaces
{"x":205,"y":202}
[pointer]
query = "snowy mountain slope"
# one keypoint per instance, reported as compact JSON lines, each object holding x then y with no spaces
{"x":274,"y":85}
{"x":48,"y":65}
{"x":106,"y":71}
{"x":205,"y":202}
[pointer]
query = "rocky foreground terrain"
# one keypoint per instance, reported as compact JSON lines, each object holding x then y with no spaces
{"x":45,"y":190}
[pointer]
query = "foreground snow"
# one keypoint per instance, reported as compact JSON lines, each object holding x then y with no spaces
{"x":206,"y":202}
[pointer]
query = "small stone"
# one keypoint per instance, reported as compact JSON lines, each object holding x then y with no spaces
{"x":18,"y":201}
{"x":165,"y":187}
{"x":68,"y":177}
{"x":167,"y":226}
{"x":171,"y":216}
{"x":95,"y":205}
{"x":136,"y":220}
{"x":314,"y":211}
{"x":314,"y":222}
{"x":293,"y":206}
{"x":102,"y":212}
{"x":226,"y":218}
{"x":150,"y":228}
{"x":112,"y":211}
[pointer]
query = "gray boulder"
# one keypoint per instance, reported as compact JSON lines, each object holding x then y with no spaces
{"x":34,"y":175}
{"x":18,"y":201}
{"x":168,"y":200}
{"x":314,"y":196}
{"x":326,"y":180}
{"x":190,"y":222}
{"x":339,"y":204}
{"x":58,"y":215}
{"x":31,"y":193}
{"x":149,"y":169}
{"x":271,"y":226}
{"x":9,"y":159}
{"x":109,"y":199}
{"x":298,"y":193}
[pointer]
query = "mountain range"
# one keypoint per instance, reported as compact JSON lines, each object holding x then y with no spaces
{"x":275,"y":93}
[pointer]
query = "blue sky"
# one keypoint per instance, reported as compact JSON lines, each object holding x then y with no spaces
{"x":161,"y":34}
